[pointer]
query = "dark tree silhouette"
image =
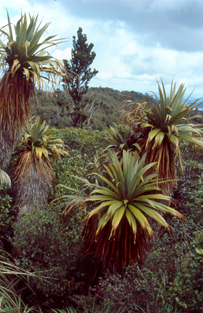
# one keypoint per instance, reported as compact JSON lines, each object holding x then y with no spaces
{"x":79,"y":65}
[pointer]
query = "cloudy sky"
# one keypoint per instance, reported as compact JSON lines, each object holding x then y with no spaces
{"x":136,"y":41}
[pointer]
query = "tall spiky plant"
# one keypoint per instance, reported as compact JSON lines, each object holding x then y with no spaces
{"x":118,"y":232}
{"x":124,"y":198}
{"x":26,"y":65}
{"x":162,"y":126}
{"x":33,"y":172}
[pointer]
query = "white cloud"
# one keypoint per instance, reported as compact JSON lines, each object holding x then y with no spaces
{"x":136,"y":41}
{"x":62,"y":54}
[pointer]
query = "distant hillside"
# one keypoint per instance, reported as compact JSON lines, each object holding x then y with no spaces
{"x":112,"y":104}
{"x":108,"y":112}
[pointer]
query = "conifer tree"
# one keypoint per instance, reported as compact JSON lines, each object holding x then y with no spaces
{"x":82,"y":58}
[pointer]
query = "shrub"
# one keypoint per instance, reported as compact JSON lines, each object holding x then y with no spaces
{"x":85,"y":141}
{"x":49,"y":246}
{"x":7,"y":217}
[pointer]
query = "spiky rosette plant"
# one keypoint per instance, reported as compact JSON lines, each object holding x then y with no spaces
{"x":26,"y":65}
{"x":162,"y":126}
{"x":33,"y":171}
{"x":118,"y":231}
{"x":123,"y":201}
{"x":122,"y":137}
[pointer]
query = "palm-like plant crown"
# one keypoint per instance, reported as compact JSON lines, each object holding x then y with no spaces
{"x":124,"y":196}
{"x":41,"y":139}
{"x":26,"y":64}
{"x":39,"y":143}
{"x":167,"y":117}
{"x":25,"y":54}
{"x":119,"y":223}
{"x":122,"y":137}
{"x":33,"y":173}
{"x":162,"y":126}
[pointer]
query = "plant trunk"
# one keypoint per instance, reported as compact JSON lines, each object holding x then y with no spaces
{"x":15,"y":92}
{"x":32,"y":183}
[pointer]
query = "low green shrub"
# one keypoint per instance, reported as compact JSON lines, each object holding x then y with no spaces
{"x":187,"y":286}
{"x":50,"y":247}
{"x":7,"y":217}
{"x":85,"y":141}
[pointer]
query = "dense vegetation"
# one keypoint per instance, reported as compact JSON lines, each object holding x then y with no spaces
{"x":51,"y":245}
{"x":82,"y":224}
{"x":109,"y":104}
